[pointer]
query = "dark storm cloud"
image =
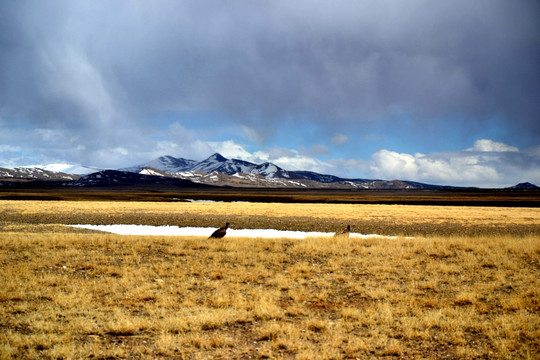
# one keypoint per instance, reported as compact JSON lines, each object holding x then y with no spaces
{"x":100,"y":65}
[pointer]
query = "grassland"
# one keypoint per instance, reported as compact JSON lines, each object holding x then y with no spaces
{"x":467,"y":285}
{"x":453,"y":197}
{"x":367,"y":219}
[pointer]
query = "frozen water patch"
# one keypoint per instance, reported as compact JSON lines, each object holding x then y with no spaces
{"x":127,"y":229}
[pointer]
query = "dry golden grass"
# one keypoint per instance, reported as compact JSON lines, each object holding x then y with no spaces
{"x":68,"y":294}
{"x":405,"y":220}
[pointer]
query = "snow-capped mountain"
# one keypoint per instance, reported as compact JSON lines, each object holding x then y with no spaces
{"x":215,"y":170}
{"x":34,"y":173}
{"x":218,"y":163}
{"x":218,"y":170}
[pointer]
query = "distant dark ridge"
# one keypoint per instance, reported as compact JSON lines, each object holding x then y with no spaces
{"x":524,"y":186}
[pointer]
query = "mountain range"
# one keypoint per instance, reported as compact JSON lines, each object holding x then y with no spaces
{"x":216,"y":170}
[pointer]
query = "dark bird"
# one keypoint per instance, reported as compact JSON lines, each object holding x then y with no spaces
{"x":219,"y":233}
{"x":344,"y":233}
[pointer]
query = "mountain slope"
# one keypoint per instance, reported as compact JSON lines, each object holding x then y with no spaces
{"x":107,"y":178}
{"x":524,"y":186}
{"x":34,"y":174}
{"x":220,"y":164}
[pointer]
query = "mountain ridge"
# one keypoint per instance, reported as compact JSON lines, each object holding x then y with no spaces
{"x":216,"y":170}
{"x":524,"y":186}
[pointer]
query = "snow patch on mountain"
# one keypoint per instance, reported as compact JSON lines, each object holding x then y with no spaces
{"x":166,"y":164}
{"x":150,"y":171}
{"x":267,"y":170}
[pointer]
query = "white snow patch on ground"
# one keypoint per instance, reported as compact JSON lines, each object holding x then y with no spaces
{"x":123,"y":229}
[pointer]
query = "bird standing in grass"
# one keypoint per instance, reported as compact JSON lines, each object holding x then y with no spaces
{"x":219,"y":233}
{"x":344,"y":233}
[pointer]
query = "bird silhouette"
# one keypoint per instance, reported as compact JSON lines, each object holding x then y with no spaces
{"x":219,"y":233}
{"x":343,"y":233}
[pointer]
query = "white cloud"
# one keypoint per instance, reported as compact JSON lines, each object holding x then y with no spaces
{"x":10,"y":156}
{"x":9,"y":148}
{"x":374,"y":137}
{"x":534,"y":151}
{"x":51,"y":135}
{"x":497,"y":165}
{"x":390,"y":164}
{"x":230,"y":149}
{"x":456,"y":168}
{"x":69,"y":75}
{"x":302,"y":162}
{"x":351,"y":168}
{"x":257,"y":135}
{"x":109,"y":158}
{"x":492,"y":146}
{"x":339,"y":139}
{"x":319,"y":149}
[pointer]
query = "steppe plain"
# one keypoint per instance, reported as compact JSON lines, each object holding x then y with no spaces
{"x":458,"y":282}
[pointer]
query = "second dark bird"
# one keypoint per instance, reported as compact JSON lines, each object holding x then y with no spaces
{"x":344,"y":233}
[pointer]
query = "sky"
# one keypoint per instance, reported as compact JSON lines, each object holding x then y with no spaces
{"x":442,"y":92}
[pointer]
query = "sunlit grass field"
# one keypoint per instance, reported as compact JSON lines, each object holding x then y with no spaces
{"x":403,"y":220}
{"x":465,"y":284}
